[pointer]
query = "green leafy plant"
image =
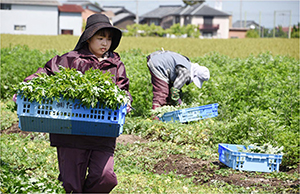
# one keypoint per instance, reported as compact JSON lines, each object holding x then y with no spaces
{"x":264,"y":149}
{"x":160,"y":111}
{"x":91,"y":87}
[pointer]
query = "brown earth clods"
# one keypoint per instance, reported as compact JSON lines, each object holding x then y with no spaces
{"x":207,"y":172}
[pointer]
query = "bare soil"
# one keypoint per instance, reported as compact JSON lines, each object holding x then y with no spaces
{"x":206,"y":172}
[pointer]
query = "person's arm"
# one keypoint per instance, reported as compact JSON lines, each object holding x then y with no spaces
{"x":123,"y":82}
{"x":183,"y":77}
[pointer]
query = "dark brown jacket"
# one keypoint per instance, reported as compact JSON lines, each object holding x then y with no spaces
{"x":83,"y":60}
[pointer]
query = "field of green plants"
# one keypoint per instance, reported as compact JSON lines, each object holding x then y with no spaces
{"x":255,"y":82}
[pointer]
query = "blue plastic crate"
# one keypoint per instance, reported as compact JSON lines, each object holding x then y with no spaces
{"x":191,"y":114}
{"x":230,"y":156}
{"x":68,"y":117}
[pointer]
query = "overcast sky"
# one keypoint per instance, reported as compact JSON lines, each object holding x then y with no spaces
{"x":261,"y":11}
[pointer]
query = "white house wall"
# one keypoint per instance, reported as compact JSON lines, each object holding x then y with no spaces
{"x":197,"y":20}
{"x":38,"y":20}
{"x":70,"y":21}
{"x":223,"y":31}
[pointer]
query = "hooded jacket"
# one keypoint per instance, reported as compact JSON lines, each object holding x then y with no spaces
{"x":83,"y":60}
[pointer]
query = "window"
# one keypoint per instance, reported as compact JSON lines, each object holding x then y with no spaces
{"x":70,"y":32}
{"x":6,"y":6}
{"x":208,"y":21}
{"x":154,"y":21}
{"x":20,"y":27}
{"x":207,"y":34}
{"x":177,"y":19}
{"x":187,"y":20}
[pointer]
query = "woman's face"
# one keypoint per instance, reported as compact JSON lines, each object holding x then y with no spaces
{"x":100,"y":43}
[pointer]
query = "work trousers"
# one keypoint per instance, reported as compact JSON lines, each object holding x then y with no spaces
{"x":86,"y":171}
{"x":161,"y":92}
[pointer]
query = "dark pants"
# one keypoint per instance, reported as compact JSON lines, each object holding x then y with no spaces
{"x":73,"y":165}
{"x":161,"y":92}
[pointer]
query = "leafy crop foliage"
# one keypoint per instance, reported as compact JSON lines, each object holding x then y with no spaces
{"x":258,"y":98}
{"x":90,"y":88}
{"x":19,"y":62}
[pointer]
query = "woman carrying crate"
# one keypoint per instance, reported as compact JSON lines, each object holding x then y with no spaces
{"x":169,"y":72}
{"x":78,"y":154}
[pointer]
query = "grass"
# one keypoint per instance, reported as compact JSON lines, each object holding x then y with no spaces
{"x":191,"y":47}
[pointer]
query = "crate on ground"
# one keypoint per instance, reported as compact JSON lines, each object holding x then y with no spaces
{"x":191,"y":114}
{"x":230,"y":155}
{"x":68,"y":117}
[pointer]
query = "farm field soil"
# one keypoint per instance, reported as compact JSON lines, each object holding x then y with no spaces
{"x":208,"y":172}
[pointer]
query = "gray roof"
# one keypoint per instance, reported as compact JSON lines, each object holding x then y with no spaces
{"x":32,"y":2}
{"x":237,"y":24}
{"x":116,"y":9}
{"x":203,"y":10}
{"x":198,"y":9}
{"x":121,"y":17}
{"x":162,"y":11}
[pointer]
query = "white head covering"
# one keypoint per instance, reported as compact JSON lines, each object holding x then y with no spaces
{"x":199,"y":74}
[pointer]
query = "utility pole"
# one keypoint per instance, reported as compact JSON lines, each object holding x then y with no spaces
{"x":259,"y":32}
{"x":245,"y":20}
{"x":241,"y":14}
{"x":290,"y":25}
{"x":274,"y":24}
{"x":137,"y":12}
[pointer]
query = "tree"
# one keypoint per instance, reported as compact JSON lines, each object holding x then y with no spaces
{"x":96,"y":3}
{"x":280,"y":33}
{"x":252,"y":34}
{"x":192,"y":2}
{"x":295,"y":31}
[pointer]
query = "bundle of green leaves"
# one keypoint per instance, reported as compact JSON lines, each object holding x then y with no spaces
{"x":160,"y":111}
{"x":90,"y":88}
{"x":264,"y":149}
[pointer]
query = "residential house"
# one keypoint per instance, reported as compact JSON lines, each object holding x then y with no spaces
{"x":164,"y":16}
{"x":88,"y":7}
{"x":37,"y":17}
{"x":70,"y":20}
{"x":240,"y":27}
{"x":120,"y":16}
{"x":212,"y":23}
{"x":249,"y":24}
